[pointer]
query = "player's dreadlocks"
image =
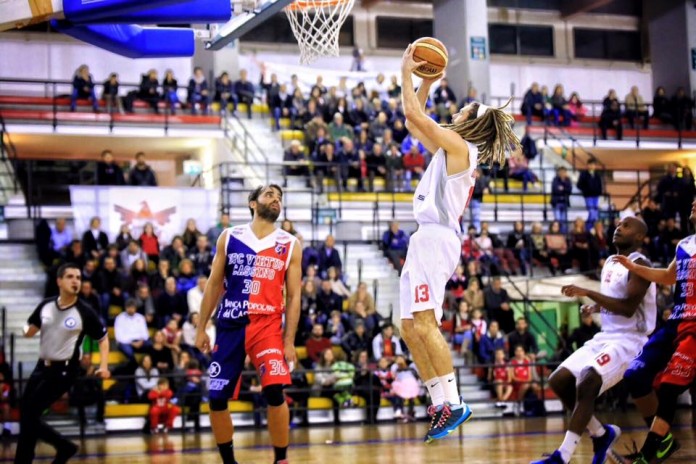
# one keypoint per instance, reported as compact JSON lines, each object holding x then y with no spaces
{"x":491,"y":133}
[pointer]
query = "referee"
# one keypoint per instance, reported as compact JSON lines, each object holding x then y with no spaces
{"x":63,"y":322}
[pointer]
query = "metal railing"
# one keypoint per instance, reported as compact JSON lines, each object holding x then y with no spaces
{"x":594,"y":110}
{"x":300,"y":392}
{"x":58,"y":90}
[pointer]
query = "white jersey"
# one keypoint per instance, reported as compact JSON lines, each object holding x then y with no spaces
{"x":614,"y":283}
{"x":442,"y":199}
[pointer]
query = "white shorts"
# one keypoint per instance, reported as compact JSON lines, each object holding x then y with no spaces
{"x":433,"y":254}
{"x":609,"y":354}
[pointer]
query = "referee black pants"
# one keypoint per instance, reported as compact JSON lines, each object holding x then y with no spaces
{"x":44,"y":387}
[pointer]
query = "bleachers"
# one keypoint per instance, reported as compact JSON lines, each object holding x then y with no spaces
{"x":587,"y":128}
{"x":17,"y":108}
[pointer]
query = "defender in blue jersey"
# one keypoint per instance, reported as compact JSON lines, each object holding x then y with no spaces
{"x":253,"y":264}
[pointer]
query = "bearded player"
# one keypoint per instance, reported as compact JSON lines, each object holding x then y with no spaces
{"x":252,"y":265}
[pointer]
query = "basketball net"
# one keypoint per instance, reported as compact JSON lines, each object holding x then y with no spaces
{"x":316,"y":25}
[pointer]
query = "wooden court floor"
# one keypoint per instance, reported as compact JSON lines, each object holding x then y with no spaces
{"x":481,"y":441}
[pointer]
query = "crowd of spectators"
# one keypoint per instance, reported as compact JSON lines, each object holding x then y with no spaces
{"x":359,"y":134}
{"x":200,"y":94}
{"x":556,"y":109}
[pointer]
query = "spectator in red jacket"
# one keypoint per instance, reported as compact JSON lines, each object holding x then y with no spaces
{"x":316,"y":344}
{"x":162,"y":411}
{"x":149,"y":243}
{"x":414,"y":165}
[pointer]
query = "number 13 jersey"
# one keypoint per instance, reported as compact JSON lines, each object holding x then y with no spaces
{"x":254,"y":275}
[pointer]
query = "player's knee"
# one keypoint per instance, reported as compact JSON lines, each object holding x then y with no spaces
{"x":218,"y":404}
{"x":560,"y":380}
{"x":424,"y":323}
{"x":589,"y":384}
{"x":274,"y":395}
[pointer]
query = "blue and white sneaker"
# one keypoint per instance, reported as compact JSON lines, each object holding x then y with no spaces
{"x":602,"y":445}
{"x":553,"y":458}
{"x":446,"y":419}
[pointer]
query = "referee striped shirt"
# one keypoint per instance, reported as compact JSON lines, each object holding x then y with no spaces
{"x":62,"y":330}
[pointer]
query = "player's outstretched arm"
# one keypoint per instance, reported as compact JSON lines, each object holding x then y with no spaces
{"x":293,"y":286}
{"x":422,"y":94}
{"x":635,"y":292}
{"x":662,"y":276}
{"x":431,"y":134}
{"x":212,"y":293}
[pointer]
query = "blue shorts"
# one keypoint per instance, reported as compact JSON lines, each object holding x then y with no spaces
{"x":652,"y":359}
{"x":228,"y":362}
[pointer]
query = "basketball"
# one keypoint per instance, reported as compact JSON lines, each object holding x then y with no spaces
{"x":434,"y":53}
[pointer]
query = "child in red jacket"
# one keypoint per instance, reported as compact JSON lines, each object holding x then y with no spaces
{"x":162,"y":411}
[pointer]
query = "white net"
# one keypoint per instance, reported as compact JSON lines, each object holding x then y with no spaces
{"x":316,"y":25}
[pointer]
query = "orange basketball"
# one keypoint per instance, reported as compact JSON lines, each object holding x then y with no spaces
{"x":434,"y":53}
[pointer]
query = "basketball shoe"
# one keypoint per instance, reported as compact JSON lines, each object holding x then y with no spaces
{"x":668,"y":446}
{"x":553,"y":458}
{"x":446,"y":418}
{"x":602,"y":445}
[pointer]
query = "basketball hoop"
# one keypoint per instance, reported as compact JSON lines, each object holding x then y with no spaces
{"x":316,"y":25}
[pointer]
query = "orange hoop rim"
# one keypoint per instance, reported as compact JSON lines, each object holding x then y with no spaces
{"x":300,"y":5}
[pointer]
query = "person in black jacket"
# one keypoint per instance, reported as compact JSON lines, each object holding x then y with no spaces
{"x":328,"y":257}
{"x":561,"y":188}
{"x":108,"y":172}
{"x":141,"y":174}
{"x":443,"y":97}
{"x":533,"y":103}
{"x":683,"y":108}
{"x":244,"y":91}
{"x":198,"y":91}
{"x":224,"y":93}
{"x":94,"y":241}
{"x":590,"y":184}
{"x":83,"y":88}
{"x":611,"y":118}
{"x":662,"y":108}
{"x":356,"y":340}
{"x":169,"y":90}
{"x":522,"y":336}
{"x":110,"y":93}
{"x":148,"y":90}
{"x":281,"y":105}
{"x":584,"y":333}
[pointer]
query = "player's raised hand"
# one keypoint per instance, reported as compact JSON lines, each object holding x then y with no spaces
{"x":625,"y":262}
{"x":573,"y":291}
{"x":588,"y":310}
{"x":408,"y":64}
{"x":202,"y":341}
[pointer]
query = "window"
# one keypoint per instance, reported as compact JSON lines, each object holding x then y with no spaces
{"x":399,"y":32}
{"x":603,"y":44}
{"x":527,"y":4}
{"x":521,"y":40}
{"x":277,"y":30}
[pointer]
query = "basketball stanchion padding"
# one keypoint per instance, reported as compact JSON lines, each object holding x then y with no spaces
{"x":316,"y":25}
